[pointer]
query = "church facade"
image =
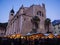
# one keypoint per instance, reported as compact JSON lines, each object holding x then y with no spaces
{"x":21,"y":22}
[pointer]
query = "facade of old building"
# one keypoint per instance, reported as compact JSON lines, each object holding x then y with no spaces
{"x":56,"y":26}
{"x":3,"y":29}
{"x":21,"y":22}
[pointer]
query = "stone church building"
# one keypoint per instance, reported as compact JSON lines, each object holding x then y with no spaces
{"x":21,"y":22}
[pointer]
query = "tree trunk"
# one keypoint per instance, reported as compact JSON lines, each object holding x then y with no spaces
{"x":48,"y":29}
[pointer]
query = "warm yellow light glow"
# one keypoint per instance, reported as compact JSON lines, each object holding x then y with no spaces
{"x":46,"y":37}
{"x":58,"y":36}
{"x":42,"y":37}
{"x":17,"y":36}
{"x":36,"y":36}
{"x":51,"y":36}
{"x":11,"y":37}
{"x":22,"y":37}
{"x":33,"y":36}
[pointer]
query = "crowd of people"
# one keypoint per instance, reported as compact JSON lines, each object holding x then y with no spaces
{"x":29,"y":41}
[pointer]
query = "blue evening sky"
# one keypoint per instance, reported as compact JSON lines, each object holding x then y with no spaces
{"x":52,"y":7}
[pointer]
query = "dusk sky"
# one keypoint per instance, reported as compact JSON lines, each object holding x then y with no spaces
{"x":52,"y":7}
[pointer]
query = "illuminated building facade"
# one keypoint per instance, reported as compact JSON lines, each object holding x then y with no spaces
{"x":20,"y":23}
{"x":56,"y":26}
{"x":3,"y":29}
